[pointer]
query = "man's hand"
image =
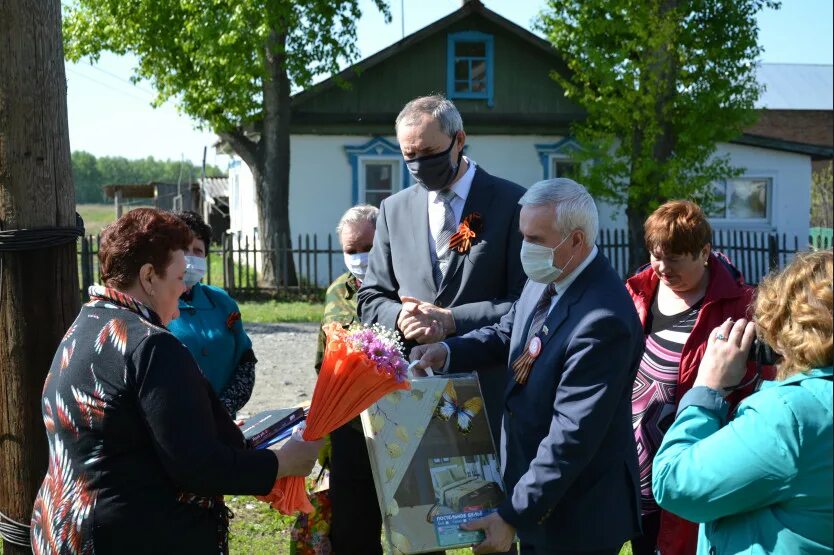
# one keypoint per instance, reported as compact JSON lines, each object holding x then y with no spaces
{"x":499,"y":534}
{"x":424,"y":322}
{"x":724,"y":362}
{"x":429,"y":356}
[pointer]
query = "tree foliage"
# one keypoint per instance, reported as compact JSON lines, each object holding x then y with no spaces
{"x":231,"y":65}
{"x":822,"y":197}
{"x":90,"y":173}
{"x":209,"y":55}
{"x":662,"y":81}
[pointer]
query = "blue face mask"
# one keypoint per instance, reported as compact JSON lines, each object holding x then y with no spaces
{"x":195,"y":269}
{"x":435,"y":171}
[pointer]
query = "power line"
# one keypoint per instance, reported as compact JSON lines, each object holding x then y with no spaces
{"x":123,"y":80}
{"x":105,"y":85}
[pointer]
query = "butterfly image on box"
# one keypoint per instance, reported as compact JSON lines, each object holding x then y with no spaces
{"x":461,"y":414}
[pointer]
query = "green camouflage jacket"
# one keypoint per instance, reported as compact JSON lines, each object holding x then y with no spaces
{"x":339,"y":306}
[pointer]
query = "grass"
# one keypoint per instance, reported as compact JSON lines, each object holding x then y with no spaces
{"x":258,"y":529}
{"x":96,"y":216}
{"x":266,"y":312}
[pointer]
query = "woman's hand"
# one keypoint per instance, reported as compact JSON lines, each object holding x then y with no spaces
{"x":297,"y":457}
{"x":725,"y":358}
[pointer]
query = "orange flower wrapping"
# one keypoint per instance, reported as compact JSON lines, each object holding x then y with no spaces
{"x":348,"y":383}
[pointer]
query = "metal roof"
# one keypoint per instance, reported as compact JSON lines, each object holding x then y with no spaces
{"x":215,"y":186}
{"x":796,"y":86}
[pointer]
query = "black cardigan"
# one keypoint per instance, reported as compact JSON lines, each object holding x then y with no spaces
{"x":141,"y":449}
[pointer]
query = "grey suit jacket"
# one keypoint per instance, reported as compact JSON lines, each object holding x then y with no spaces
{"x":568,"y":454}
{"x":479,"y":287}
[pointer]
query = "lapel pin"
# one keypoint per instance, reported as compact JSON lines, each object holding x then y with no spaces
{"x":545,"y":330}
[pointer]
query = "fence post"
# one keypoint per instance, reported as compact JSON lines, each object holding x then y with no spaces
{"x":246,"y":268}
{"x":772,"y":252}
{"x":208,"y":263}
{"x":329,"y":259}
{"x":86,"y":277}
{"x":281,"y":254}
{"x":229,"y":264}
{"x":316,"y":261}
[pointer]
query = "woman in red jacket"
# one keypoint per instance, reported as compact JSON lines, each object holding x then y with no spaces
{"x":681,"y":296}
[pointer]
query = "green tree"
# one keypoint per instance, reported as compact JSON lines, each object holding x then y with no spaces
{"x":87,"y":178}
{"x":662,"y":81}
{"x":822,"y":197}
{"x":90,"y":173}
{"x":229,"y":64}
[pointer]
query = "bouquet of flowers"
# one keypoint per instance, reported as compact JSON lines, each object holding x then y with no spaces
{"x":361,"y":365}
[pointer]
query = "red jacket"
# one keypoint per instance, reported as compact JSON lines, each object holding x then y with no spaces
{"x":727,"y":296}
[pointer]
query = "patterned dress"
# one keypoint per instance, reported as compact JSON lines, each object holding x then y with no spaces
{"x":140,"y":448}
{"x":653,"y":403}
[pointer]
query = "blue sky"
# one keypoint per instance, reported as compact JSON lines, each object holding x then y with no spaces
{"x":110,"y":116}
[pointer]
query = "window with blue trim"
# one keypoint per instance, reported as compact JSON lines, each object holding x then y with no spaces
{"x":557,"y":158}
{"x":377,"y":170}
{"x":470,"y":66}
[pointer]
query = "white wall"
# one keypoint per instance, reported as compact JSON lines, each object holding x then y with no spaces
{"x":790,"y":201}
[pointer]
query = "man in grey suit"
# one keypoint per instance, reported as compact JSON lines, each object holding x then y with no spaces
{"x":572,"y":343}
{"x":428,"y":278}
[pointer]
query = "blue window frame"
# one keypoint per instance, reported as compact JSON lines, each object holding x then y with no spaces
{"x":470,"y":70}
{"x":377,"y":171}
{"x":556,"y":158}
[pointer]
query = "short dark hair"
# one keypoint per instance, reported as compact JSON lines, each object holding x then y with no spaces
{"x":142,"y":236}
{"x":197,"y":225}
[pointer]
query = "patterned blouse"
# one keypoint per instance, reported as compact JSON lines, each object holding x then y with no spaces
{"x":141,"y":449}
{"x":653,"y":395}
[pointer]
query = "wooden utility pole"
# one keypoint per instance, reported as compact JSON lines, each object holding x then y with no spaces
{"x":38,"y":288}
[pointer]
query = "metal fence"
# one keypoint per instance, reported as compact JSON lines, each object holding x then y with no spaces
{"x":237,"y":262}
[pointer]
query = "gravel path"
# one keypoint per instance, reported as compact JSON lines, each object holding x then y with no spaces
{"x":285,"y":374}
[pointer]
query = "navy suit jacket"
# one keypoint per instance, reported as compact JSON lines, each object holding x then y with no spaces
{"x":569,"y":459}
{"x":480,"y":285}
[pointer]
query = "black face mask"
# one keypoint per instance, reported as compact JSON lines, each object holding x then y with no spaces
{"x":435,"y":171}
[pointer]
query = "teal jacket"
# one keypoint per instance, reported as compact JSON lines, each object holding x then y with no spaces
{"x":761,"y":483}
{"x":209,"y":325}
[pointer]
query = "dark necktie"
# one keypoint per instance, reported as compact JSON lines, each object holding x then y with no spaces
{"x":523,"y":364}
{"x":441,"y":240}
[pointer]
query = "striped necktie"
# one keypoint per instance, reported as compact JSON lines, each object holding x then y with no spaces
{"x":523,"y":364}
{"x":444,"y":234}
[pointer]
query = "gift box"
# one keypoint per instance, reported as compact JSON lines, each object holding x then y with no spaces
{"x":434,"y":463}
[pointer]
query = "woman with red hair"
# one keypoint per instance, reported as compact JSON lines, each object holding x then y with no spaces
{"x":141,"y":448}
{"x":684,"y":293}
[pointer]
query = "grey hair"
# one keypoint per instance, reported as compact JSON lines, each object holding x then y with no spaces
{"x":357,"y":215}
{"x":438,"y":107}
{"x":575,"y":208}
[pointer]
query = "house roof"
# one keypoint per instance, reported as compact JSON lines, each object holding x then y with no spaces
{"x":138,"y":190}
{"x":816,"y":152}
{"x":130,"y":190}
{"x":215,"y":186}
{"x":796,"y":86}
{"x":469,"y":7}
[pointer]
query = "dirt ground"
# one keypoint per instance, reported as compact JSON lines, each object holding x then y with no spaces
{"x":284,"y":374}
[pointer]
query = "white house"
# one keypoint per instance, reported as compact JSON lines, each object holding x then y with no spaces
{"x":344,"y":152}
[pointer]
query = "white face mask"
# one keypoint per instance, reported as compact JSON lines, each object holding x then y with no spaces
{"x":537,"y":261}
{"x":357,"y":264}
{"x":195,"y":269}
